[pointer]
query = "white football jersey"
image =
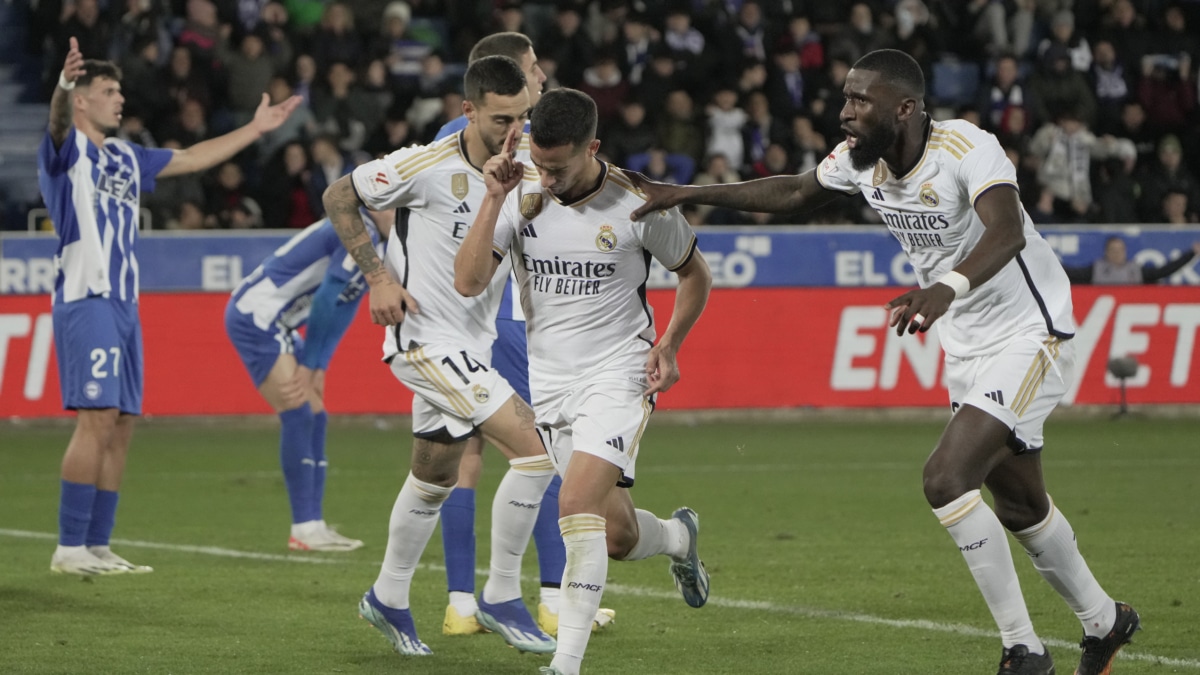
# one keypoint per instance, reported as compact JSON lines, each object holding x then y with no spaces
{"x":581,"y":269}
{"x":438,"y":193}
{"x":931,"y":211}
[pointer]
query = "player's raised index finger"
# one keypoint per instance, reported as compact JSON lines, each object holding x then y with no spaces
{"x":74,"y":44}
{"x":511,"y":142}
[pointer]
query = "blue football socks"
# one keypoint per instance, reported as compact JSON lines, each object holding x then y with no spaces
{"x":75,"y":512}
{"x":551,"y":553}
{"x":295,"y":455}
{"x":458,"y":539}
{"x":104,"y":516}
{"x":321,"y":464}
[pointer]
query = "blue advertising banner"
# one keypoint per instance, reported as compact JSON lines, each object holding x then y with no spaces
{"x":792,"y":256}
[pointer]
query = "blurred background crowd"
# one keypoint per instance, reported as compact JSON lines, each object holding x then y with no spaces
{"x":1094,"y":100}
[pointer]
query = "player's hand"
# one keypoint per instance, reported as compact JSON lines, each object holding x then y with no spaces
{"x":389,"y":302}
{"x":294,"y":391}
{"x":502,"y":172}
{"x":317,"y":383}
{"x":268,"y":117}
{"x":662,"y":370}
{"x":73,"y":66}
{"x":917,"y":310}
{"x":659,"y":196}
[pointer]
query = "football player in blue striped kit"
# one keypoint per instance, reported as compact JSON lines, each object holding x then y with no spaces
{"x":91,"y":184}
{"x":309,"y":281}
{"x":510,"y":357}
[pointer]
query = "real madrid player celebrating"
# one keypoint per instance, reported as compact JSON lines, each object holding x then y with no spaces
{"x":949,"y":195}
{"x":441,"y":350}
{"x":594,"y":365}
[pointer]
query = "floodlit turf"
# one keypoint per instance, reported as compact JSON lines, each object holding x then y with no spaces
{"x":824,"y":557}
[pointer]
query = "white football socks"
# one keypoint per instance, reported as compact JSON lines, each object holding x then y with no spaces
{"x":1052,"y":548}
{"x":414,"y":517}
{"x":657,"y":536}
{"x":984,"y":544}
{"x":514,"y":513}
{"x":583,"y":585}
{"x":549,"y":598}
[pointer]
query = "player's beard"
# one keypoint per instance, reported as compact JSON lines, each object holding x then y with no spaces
{"x":869,"y":148}
{"x":494,"y":145}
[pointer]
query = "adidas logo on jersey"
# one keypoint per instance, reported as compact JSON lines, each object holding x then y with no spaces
{"x":463,"y":208}
{"x":618,"y":443}
{"x":529,"y":231}
{"x":997,"y":396}
{"x":877,"y":195}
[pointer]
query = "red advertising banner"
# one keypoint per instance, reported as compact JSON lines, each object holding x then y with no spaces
{"x":753,"y":348}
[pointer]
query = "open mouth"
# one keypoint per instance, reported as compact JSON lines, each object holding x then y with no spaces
{"x":851,"y":139}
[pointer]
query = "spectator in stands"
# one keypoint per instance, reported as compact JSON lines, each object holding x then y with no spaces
{"x":1167,"y":173}
{"x":762,"y":129}
{"x":637,"y":37}
{"x":749,"y":35}
{"x":1175,"y":39}
{"x":607,"y":87}
{"x":1133,"y":126}
{"x":859,"y":36}
{"x":140,"y":80}
{"x":188,"y":215}
{"x":630,"y":134}
{"x":395,"y":133}
{"x":189,"y":126}
{"x":662,"y":166}
{"x":1001,"y":28}
{"x":827,"y":103}
{"x":1126,"y":30}
{"x":1115,"y":191}
{"x":180,"y":82}
{"x":166,"y":202}
{"x":717,"y":171}
{"x":680,"y":131}
{"x":336,"y":40}
{"x":80,"y":19}
{"x":375,"y":82}
{"x":917,"y":34}
{"x":808,"y":147}
{"x":725,"y":122}
{"x":1177,"y":208}
{"x":1066,"y":150}
{"x":140,"y":23}
{"x":686,"y":43}
{"x":304,"y":81}
{"x":1005,"y":93}
{"x":133,"y":129}
{"x":785,"y":84}
{"x":1063,"y":34}
{"x":329,"y":163}
{"x":229,"y":201}
{"x":569,"y":45}
{"x":1167,"y":92}
{"x":250,"y":69}
{"x":285,"y":189}
{"x":1058,"y":89}
{"x":807,"y":42}
{"x":401,"y":48}
{"x":1115,"y":268}
{"x":659,"y":79}
{"x":1110,"y":86}
{"x":751,"y":78}
{"x":344,"y":110}
{"x":774,"y":162}
{"x":200,"y":33}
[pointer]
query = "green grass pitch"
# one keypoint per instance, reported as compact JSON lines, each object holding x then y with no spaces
{"x":824,"y":557}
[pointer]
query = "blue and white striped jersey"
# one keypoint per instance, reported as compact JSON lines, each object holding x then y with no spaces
{"x":92,"y":194}
{"x":280,"y":291}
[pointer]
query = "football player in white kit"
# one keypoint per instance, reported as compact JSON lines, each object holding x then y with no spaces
{"x":1002,"y":304}
{"x":594,"y":366}
{"x":438,"y":344}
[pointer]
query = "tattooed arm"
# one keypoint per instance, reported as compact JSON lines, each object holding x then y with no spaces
{"x":60,"y":102}
{"x":389,"y":300}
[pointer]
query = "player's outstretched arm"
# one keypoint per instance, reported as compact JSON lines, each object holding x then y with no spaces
{"x":389,"y":300}
{"x":207,"y":154}
{"x":1003,"y":238}
{"x":474,"y":264}
{"x":695,"y":281}
{"x":60,"y":102}
{"x":774,"y":194}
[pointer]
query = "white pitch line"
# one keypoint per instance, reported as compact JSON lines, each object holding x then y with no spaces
{"x":637,"y":591}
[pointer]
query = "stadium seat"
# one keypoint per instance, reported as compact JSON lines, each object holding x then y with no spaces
{"x":955,"y":82}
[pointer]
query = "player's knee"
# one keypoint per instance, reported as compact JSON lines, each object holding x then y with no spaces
{"x":98,"y":425}
{"x":942,"y":485}
{"x":435,"y":458}
{"x":1020,"y":514}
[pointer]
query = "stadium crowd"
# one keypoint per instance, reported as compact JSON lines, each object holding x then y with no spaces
{"x":1095,"y":101}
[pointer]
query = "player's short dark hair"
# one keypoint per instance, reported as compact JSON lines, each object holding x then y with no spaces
{"x":563,"y":117}
{"x":512,"y":45}
{"x":93,"y":68}
{"x":493,"y":75}
{"x":897,"y":68}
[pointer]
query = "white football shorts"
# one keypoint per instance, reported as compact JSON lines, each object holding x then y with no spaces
{"x":1019,"y":385}
{"x":454,"y":390}
{"x":605,"y":418}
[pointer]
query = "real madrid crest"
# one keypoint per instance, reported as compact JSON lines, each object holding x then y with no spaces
{"x":928,"y":196}
{"x":481,"y":394}
{"x":459,"y":187}
{"x":531,"y":205}
{"x":880,"y":174}
{"x":607,"y":239}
